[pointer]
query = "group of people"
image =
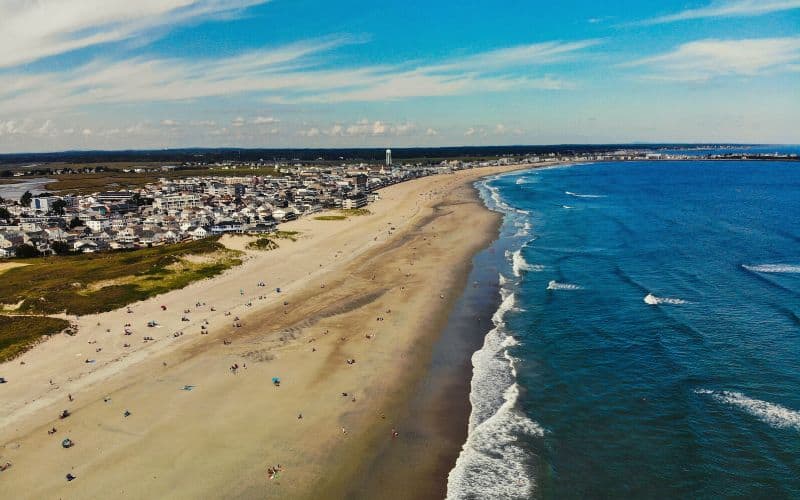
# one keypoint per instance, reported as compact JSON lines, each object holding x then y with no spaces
{"x":273,"y":470}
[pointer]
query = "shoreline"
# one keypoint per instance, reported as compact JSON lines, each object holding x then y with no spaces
{"x":274,"y":341}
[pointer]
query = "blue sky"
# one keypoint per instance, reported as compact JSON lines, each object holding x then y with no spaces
{"x":112,"y":74}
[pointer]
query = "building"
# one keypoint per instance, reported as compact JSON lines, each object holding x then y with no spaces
{"x":176,"y":202}
{"x":358,"y":201}
{"x":388,"y":157}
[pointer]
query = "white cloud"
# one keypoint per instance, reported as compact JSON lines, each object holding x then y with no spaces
{"x":87,"y":131}
{"x":703,"y":60}
{"x":430,"y":132}
{"x":728,"y":8}
{"x":47,"y":128}
{"x":238,"y":121}
{"x":312,"y":132}
{"x":170,"y":123}
{"x":203,"y":123}
{"x":287,"y":74}
{"x":404,"y":128}
{"x":264,"y":120}
{"x":139,"y":128}
{"x":31,"y":30}
{"x":470,"y":132}
{"x":378,"y":128}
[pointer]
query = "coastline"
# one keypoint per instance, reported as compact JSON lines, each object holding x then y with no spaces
{"x":361,"y":284}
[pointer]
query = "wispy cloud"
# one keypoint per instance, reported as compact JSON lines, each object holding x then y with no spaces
{"x":704,"y":60}
{"x":294,"y":73}
{"x":31,"y":30}
{"x":727,"y":8}
{"x":363,"y":128}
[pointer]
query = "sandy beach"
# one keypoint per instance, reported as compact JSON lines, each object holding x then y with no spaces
{"x":361,"y":304}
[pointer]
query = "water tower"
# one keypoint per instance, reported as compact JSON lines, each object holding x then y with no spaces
{"x":388,"y":157}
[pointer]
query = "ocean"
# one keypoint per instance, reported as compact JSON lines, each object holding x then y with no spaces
{"x":647,"y":342}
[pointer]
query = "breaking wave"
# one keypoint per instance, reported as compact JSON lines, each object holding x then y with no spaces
{"x":491,"y":463}
{"x":584,"y":195}
{"x":654,"y":301}
{"x":772,"y":414}
{"x":524,"y":229}
{"x":555,"y":285}
{"x":520,"y":266}
{"x":773,"y":268}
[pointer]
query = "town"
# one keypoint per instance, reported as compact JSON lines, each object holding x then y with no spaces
{"x":180,"y":209}
{"x":177,"y":209}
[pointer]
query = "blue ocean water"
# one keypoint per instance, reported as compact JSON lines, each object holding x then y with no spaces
{"x":648,"y":341}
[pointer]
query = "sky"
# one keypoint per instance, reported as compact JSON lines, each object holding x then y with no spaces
{"x":152,"y":74}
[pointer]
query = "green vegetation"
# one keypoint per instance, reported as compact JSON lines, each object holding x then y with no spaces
{"x":331,"y":217}
{"x":92,"y":283}
{"x":355,"y":212}
{"x":112,"y":179}
{"x":20,"y":333}
{"x":286,"y":235}
{"x":262,"y":243}
{"x":345,"y":214}
{"x":269,"y":243}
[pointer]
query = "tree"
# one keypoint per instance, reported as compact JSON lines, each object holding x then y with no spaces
{"x":60,"y":247}
{"x":58,"y":207}
{"x":75,"y":222}
{"x":26,"y":251}
{"x":4,"y":213}
{"x":25,"y":199}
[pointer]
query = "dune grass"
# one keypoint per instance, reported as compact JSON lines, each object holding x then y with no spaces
{"x":20,"y":333}
{"x":331,"y":217}
{"x":286,"y":235}
{"x":354,"y":212}
{"x":93,"y":283}
{"x":262,"y":243}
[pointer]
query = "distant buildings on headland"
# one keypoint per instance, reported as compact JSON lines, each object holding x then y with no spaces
{"x":178,"y":209}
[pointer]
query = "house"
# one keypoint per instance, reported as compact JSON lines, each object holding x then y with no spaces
{"x":85,"y":246}
{"x":199,"y":233}
{"x":11,"y":239}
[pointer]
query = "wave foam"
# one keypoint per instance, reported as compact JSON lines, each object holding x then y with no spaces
{"x":772,"y":414}
{"x":584,"y":195}
{"x":555,"y":285}
{"x":773,"y":268}
{"x":491,"y":463}
{"x":524,"y":229}
{"x":654,"y":301}
{"x":519,"y":265}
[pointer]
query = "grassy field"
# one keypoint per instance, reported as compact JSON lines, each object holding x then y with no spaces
{"x":92,"y":283}
{"x":20,"y":333}
{"x":345,"y":214}
{"x":331,"y":217}
{"x":355,"y":212}
{"x":286,"y":235}
{"x":113,"y":180}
